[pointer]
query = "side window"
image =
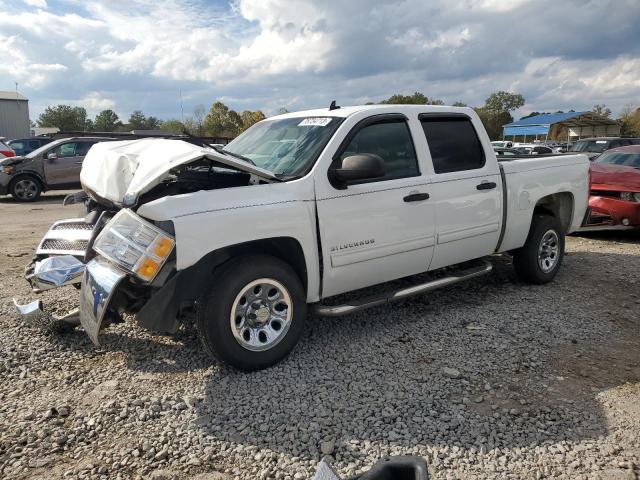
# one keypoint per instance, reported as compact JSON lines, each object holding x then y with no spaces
{"x":66,"y":150}
{"x":453,"y":143}
{"x":33,"y":144}
{"x":83,"y":148}
{"x":392,"y":142}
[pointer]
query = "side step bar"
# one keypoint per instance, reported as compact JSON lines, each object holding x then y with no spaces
{"x":395,"y":295}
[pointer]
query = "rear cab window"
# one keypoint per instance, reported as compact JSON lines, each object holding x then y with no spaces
{"x":453,"y":143}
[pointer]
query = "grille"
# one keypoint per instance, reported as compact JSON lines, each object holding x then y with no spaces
{"x":53,"y":244}
{"x":73,"y":226}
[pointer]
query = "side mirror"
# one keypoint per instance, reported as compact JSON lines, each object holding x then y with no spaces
{"x":363,"y":166}
{"x":52,"y":156}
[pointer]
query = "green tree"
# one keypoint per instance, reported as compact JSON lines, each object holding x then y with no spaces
{"x":499,"y":102}
{"x":173,"y":126}
{"x":493,"y":121}
{"x":65,"y":117}
{"x":459,"y":104}
{"x":106,"y":121}
{"x":601,"y":110}
{"x":222,"y":121}
{"x":417,"y":98}
{"x":137,"y":120}
{"x":249,"y":118}
{"x":282,"y":111}
{"x":630,"y":121}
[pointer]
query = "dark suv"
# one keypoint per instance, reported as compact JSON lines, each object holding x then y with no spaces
{"x":22,"y":146}
{"x":54,"y":166}
{"x":593,"y":147}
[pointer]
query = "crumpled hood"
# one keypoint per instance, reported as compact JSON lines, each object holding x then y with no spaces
{"x":628,"y":178}
{"x":121,"y":171}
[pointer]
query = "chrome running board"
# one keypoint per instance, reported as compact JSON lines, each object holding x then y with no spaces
{"x":395,"y":295}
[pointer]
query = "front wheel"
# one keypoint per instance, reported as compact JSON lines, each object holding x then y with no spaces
{"x":26,"y":189}
{"x":539,"y":260}
{"x":253,"y":312}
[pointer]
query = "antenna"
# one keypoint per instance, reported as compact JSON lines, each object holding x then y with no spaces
{"x":333,"y":106}
{"x":181,"y":107}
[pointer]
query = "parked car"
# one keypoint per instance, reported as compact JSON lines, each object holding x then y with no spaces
{"x":506,"y":152}
{"x":353,"y":197}
{"x":533,"y":149}
{"x":592,"y":147}
{"x":614,"y":201}
{"x":501,"y":144}
{"x":5,"y":150}
{"x":23,"y":146}
{"x":53,"y":166}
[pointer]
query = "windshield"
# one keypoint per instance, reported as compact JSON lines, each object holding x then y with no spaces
{"x":596,"y":146}
{"x":286,"y":147}
{"x":620,"y":158}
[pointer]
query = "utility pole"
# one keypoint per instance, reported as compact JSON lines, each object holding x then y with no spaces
{"x":181,"y":108}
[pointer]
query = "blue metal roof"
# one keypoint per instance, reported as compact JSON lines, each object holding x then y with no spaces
{"x":544,"y":119}
{"x":526,"y":130}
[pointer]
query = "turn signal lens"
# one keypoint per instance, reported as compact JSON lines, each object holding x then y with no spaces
{"x":147,"y":268}
{"x":163,"y":247}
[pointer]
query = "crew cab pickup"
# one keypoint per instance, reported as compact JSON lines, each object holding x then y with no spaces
{"x":300,"y":208}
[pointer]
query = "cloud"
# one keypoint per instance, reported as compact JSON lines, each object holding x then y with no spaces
{"x":139,"y":54}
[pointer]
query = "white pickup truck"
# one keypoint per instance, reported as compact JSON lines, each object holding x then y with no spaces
{"x":300,"y":208}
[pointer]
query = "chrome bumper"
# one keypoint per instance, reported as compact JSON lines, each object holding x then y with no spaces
{"x":99,"y":284}
{"x":53,"y":272}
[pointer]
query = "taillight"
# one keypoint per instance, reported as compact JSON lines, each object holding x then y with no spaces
{"x":8,"y":153}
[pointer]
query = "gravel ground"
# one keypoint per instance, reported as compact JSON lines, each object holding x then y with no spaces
{"x":488,"y":379}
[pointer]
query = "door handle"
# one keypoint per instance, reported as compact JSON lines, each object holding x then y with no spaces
{"x":486,"y":186}
{"x":416,"y":197}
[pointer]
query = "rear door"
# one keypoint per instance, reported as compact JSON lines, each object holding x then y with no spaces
{"x":467,"y":189}
{"x":380,"y":230}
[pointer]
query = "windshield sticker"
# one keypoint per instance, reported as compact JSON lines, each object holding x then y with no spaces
{"x":315,"y":122}
{"x":601,"y":141}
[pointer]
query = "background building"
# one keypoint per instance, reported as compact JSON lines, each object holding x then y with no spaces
{"x":567,"y":126}
{"x":14,"y":115}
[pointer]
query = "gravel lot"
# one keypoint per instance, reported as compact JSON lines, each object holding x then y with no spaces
{"x":489,"y":379}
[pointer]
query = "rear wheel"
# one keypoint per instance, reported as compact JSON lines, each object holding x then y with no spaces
{"x":539,"y":260}
{"x":253,"y":312}
{"x":26,"y":188}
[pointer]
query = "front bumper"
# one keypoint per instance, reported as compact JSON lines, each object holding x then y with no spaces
{"x":612,"y":213}
{"x":99,"y":285}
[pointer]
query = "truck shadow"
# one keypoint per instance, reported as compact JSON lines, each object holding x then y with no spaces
{"x":524,"y":375}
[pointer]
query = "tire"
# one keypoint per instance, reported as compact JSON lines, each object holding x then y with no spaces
{"x":539,"y":260}
{"x":269,"y":312}
{"x":26,"y":188}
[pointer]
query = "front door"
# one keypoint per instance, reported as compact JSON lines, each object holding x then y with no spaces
{"x":376,"y":231}
{"x":467,"y":190}
{"x":65,"y":167}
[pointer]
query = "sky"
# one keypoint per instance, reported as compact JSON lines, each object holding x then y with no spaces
{"x":145,"y":55}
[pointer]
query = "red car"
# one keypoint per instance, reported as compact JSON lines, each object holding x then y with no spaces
{"x":614,"y":202}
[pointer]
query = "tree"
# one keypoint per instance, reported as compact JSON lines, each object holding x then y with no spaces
{"x":459,"y":104}
{"x":417,"y":98}
{"x":106,"y":121}
{"x":221,"y":121}
{"x":137,"y":120}
{"x":499,"y":102}
{"x":249,"y":118}
{"x":493,"y":121}
{"x":282,"y":111}
{"x":173,"y":126}
{"x":630,"y":121}
{"x":65,"y":117}
{"x":601,"y":110}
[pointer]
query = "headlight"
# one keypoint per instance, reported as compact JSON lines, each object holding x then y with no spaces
{"x":630,"y":196}
{"x":135,"y":244}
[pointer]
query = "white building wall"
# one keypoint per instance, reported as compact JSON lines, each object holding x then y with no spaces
{"x":599,"y":131}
